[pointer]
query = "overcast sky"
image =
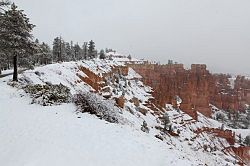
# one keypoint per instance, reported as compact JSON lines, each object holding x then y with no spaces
{"x":215,"y":32}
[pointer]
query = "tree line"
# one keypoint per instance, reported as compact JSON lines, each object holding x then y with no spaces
{"x":18,"y":48}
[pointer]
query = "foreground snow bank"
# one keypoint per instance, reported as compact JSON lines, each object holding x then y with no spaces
{"x":35,"y":135}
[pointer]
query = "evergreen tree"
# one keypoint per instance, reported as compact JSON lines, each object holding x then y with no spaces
{"x":72,"y":50}
{"x":95,"y":54}
{"x":102,"y":54}
{"x":3,"y":57}
{"x":57,"y":49}
{"x":144,"y":127}
{"x":36,"y":56}
{"x":3,"y":4}
{"x":69,"y":52}
{"x":85,"y":50}
{"x":91,"y":49}
{"x":129,"y":57}
{"x":77,"y":51}
{"x":2,"y":61}
{"x":46,"y":56}
{"x":63,"y":51}
{"x":15,"y":35}
{"x":166,"y":121}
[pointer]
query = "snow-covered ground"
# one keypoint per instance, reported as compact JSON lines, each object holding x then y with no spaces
{"x":31,"y":134}
{"x":7,"y":71}
{"x":56,"y":135}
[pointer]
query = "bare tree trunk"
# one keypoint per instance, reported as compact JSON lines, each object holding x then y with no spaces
{"x":15,"y":68}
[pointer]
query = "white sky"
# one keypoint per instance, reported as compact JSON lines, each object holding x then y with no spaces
{"x":215,"y":32}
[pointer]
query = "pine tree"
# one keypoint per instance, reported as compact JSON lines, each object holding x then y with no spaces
{"x":2,"y":60}
{"x":166,"y":121}
{"x":77,"y":51}
{"x":129,"y":57}
{"x":57,"y":50}
{"x":91,"y":49}
{"x":3,"y":4}
{"x":63,"y":51}
{"x":46,"y":57}
{"x":15,"y":35}
{"x":72,"y":51}
{"x":102,"y":55}
{"x":69,"y":52}
{"x":35,"y":58}
{"x":144,"y":127}
{"x":85,"y":50}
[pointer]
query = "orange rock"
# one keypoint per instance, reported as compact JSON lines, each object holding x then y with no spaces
{"x":170,"y":80}
{"x":120,"y":101}
{"x":135,"y":101}
{"x":197,"y":87}
{"x":243,"y":152}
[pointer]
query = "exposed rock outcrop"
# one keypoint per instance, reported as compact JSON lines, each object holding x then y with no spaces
{"x":170,"y":80}
{"x":230,"y":94}
{"x":197,"y":87}
{"x":243,"y":152}
{"x":229,"y":135}
{"x":98,"y":81}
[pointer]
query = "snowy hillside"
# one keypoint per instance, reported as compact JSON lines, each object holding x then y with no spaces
{"x":31,"y":134}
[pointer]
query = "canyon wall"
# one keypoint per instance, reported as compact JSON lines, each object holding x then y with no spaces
{"x":229,"y":93}
{"x":197,"y":87}
{"x":242,"y":87}
{"x":169,"y":81}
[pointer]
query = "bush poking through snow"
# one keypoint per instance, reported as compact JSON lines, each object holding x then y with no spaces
{"x":144,"y":127}
{"x":48,"y":94}
{"x":94,"y":104}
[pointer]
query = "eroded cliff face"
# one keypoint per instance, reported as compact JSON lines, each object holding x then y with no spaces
{"x":242,"y":87}
{"x":230,"y":94}
{"x":197,"y":87}
{"x":169,"y":81}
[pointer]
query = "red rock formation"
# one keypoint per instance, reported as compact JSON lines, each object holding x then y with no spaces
{"x":226,"y":97}
{"x":120,"y":101}
{"x":227,"y":134}
{"x":170,"y":80}
{"x":196,"y":87}
{"x":242,"y":87}
{"x":97,"y":81}
{"x":243,"y":152}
